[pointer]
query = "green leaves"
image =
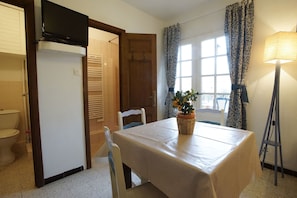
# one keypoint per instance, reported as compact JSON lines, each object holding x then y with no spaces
{"x":183,"y":101}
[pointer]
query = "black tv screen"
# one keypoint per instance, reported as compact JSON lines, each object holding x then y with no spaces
{"x":63,"y":25}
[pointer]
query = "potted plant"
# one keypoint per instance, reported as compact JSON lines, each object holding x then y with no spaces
{"x":183,"y":101}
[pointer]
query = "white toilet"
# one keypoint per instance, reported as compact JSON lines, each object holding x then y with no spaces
{"x":9,"y":120}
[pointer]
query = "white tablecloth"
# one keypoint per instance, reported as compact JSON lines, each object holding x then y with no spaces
{"x":215,"y":161}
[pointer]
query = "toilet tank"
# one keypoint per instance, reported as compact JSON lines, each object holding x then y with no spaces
{"x":9,"y":119}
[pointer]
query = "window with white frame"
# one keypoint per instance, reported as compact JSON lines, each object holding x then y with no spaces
{"x":183,"y":81}
{"x":214,"y":74}
{"x":206,"y":71}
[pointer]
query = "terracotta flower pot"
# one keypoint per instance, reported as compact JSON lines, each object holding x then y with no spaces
{"x":185,"y":123}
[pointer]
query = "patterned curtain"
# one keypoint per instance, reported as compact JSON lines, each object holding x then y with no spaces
{"x":239,"y":25}
{"x":171,"y":43}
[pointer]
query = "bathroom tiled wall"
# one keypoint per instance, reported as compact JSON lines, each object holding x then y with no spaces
{"x":11,"y":89}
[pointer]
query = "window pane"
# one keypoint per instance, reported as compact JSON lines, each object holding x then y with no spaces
{"x":186,"y":68}
{"x":186,"y":52}
{"x":186,"y":84}
{"x":177,"y":85}
{"x":221,"y":45}
{"x":208,"y":48}
{"x":178,"y":70}
{"x":222,"y":65}
{"x":215,"y":79}
{"x":178,"y":54}
{"x":223,"y":84}
{"x":206,"y":101}
{"x":207,"y":84}
{"x":207,"y":66}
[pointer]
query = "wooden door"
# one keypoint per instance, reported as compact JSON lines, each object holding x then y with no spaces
{"x":138,"y":78}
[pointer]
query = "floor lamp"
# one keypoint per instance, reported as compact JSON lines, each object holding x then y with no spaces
{"x":279,"y":48}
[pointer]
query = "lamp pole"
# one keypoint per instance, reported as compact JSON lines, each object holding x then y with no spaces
{"x":273,"y":125}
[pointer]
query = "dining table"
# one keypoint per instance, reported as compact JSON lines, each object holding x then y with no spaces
{"x":215,"y":161}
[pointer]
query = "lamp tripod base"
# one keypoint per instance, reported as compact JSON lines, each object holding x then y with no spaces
{"x":273,"y":129}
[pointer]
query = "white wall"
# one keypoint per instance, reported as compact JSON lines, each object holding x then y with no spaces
{"x":270,"y":17}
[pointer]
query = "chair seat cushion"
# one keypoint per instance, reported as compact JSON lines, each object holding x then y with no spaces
{"x":132,"y":124}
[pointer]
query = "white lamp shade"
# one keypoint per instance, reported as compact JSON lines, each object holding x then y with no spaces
{"x":282,"y":47}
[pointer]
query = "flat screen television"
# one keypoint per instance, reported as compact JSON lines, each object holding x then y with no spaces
{"x":63,"y":25}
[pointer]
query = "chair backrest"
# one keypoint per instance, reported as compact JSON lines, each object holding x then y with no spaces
{"x":222,"y":103}
{"x":115,"y":166}
{"x":125,"y":114}
{"x":211,"y":116}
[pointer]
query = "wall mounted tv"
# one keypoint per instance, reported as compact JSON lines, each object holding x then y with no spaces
{"x":60,"y":24}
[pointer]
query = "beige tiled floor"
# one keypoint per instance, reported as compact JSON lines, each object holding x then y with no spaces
{"x":264,"y":187}
{"x":17,"y":176}
{"x":16,"y":181}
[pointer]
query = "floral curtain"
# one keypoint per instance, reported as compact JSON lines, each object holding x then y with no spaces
{"x":171,"y":43}
{"x":239,"y":25}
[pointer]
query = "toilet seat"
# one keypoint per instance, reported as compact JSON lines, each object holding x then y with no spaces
{"x":6,"y":133}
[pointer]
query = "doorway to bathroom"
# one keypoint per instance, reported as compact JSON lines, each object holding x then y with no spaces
{"x":103,"y":85}
{"x":130,"y":82}
{"x":14,"y":96}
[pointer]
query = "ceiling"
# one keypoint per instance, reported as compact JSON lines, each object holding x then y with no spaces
{"x":166,"y":9}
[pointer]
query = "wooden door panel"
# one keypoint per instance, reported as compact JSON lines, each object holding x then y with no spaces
{"x":138,"y":85}
{"x":138,"y":74}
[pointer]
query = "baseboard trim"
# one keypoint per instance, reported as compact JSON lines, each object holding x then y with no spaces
{"x":62,"y":175}
{"x":286,"y":171}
